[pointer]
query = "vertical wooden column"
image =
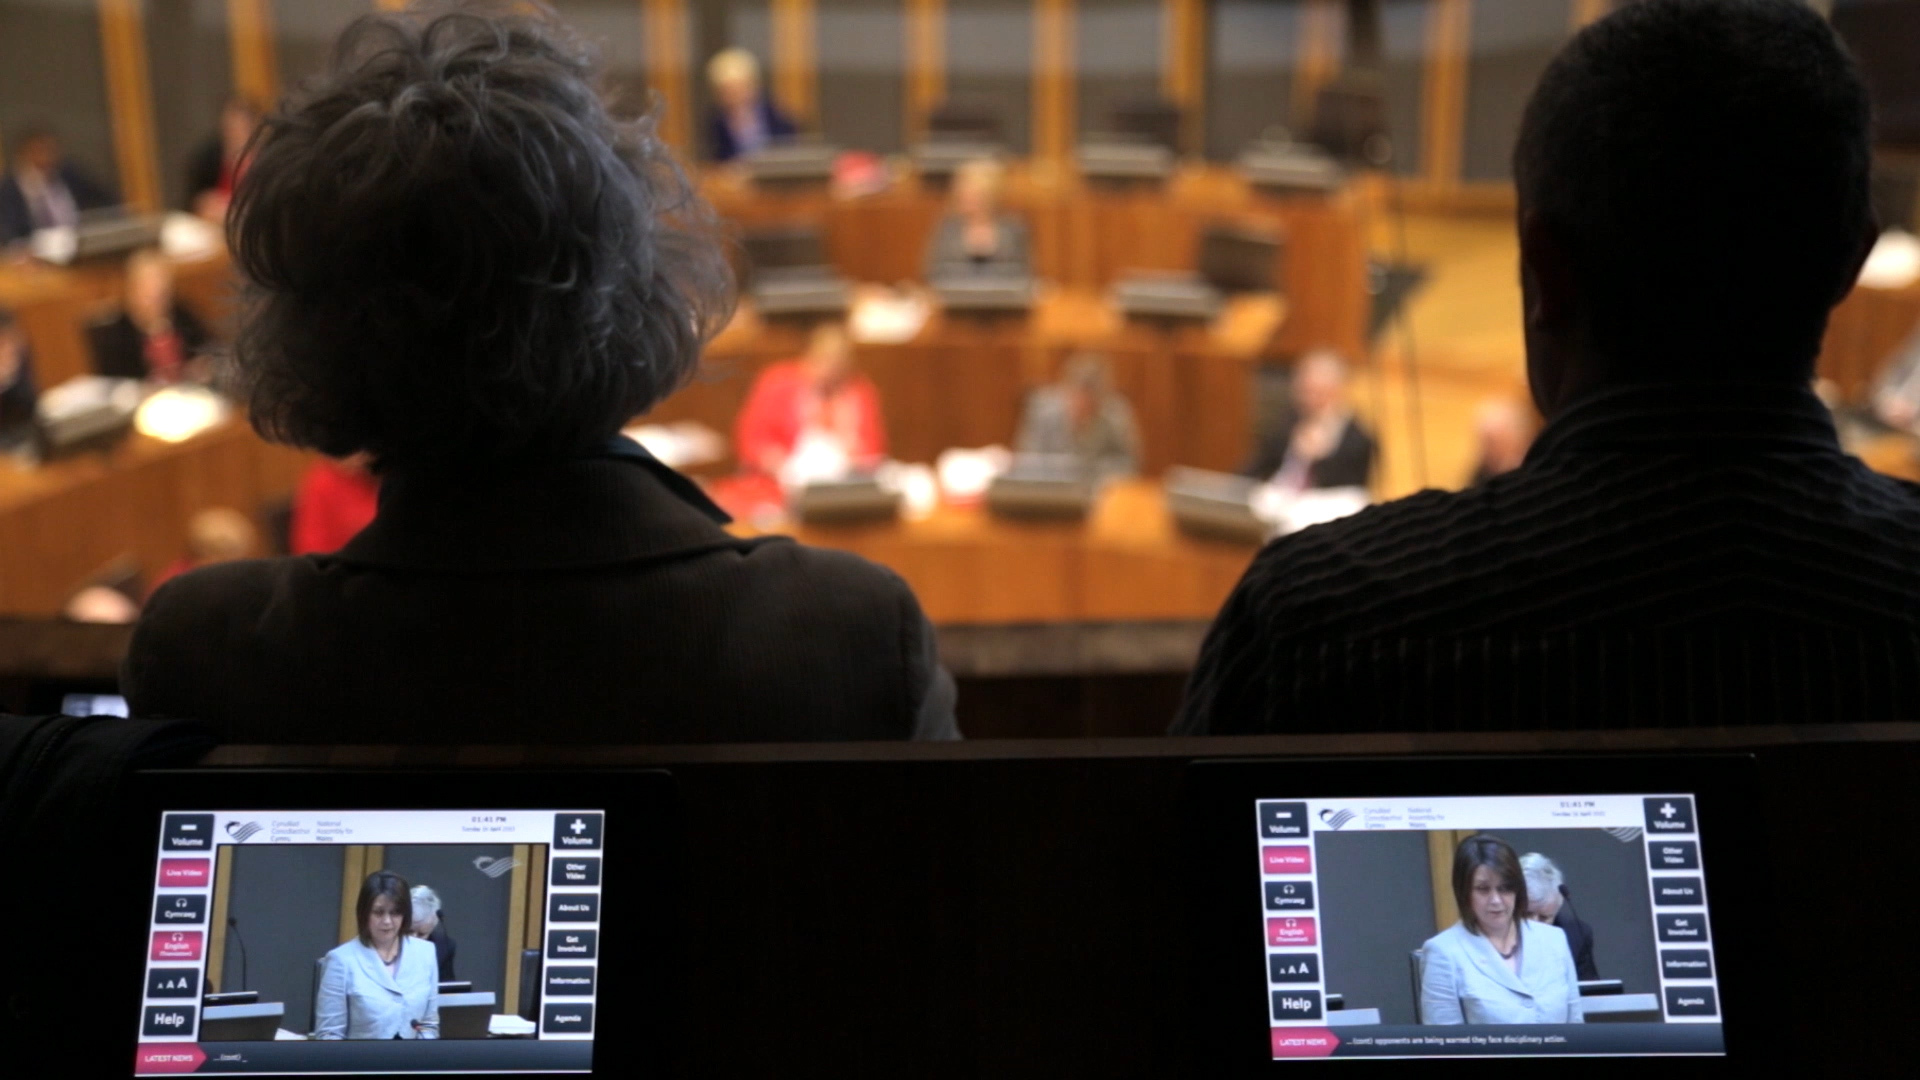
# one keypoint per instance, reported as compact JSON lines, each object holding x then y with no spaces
{"x":217,"y":923}
{"x":1444,"y":107}
{"x":1441,"y":844}
{"x":667,"y":71}
{"x":1319,"y":59}
{"x":926,"y":54}
{"x":796,"y":74}
{"x":353,"y":874}
{"x":256,"y":70}
{"x":1590,"y":11}
{"x":1183,"y":65}
{"x":1053,"y":90}
{"x":517,"y":917}
{"x":123,"y":37}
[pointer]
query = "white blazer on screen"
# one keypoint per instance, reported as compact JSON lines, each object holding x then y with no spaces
{"x":359,"y":999}
{"x":1464,"y":981}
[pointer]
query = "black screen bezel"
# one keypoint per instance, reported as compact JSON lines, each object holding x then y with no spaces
{"x":633,"y":1013}
{"x":1228,"y":1025}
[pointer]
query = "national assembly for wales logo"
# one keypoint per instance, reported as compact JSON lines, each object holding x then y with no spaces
{"x":1334,"y":819}
{"x":242,"y":833}
{"x":494,"y":868}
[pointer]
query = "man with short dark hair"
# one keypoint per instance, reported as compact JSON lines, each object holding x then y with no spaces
{"x":1686,"y":543}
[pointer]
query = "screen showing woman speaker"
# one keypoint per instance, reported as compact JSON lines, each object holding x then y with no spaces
{"x":373,"y":942}
{"x":1487,"y":926}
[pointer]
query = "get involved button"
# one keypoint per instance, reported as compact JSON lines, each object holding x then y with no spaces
{"x":1682,"y":926}
{"x":1286,"y":860}
{"x":572,"y":944}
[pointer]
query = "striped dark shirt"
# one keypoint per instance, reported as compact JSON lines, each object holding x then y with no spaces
{"x":1666,"y":556}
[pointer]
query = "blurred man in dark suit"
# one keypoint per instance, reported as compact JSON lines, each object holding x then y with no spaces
{"x":1685,"y":542}
{"x":1320,"y":444}
{"x":44,"y":190}
{"x":17,"y":393}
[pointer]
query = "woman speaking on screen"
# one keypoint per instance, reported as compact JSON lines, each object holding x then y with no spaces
{"x":1496,"y":966}
{"x":384,"y":984}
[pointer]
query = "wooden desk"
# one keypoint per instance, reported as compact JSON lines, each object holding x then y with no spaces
{"x":56,"y":303}
{"x":963,"y":381}
{"x":61,"y":523}
{"x":1085,"y":235}
{"x":1126,"y":561}
{"x":1862,"y":335}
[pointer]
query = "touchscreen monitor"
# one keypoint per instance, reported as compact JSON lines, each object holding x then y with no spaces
{"x":1483,"y":925}
{"x":361,"y":941}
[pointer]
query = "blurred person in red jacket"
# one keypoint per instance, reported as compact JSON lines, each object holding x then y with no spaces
{"x":337,"y":498}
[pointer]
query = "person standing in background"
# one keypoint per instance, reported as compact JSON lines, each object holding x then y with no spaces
{"x":1549,"y":902}
{"x":337,"y":498}
{"x":217,"y":165}
{"x":745,"y":120}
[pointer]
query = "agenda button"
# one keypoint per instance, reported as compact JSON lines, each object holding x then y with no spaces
{"x":567,"y":1019}
{"x":1692,"y":1001}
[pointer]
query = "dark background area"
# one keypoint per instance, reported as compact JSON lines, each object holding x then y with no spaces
{"x":287,"y":900}
{"x":475,"y":907}
{"x":1608,"y":882}
{"x":1376,"y":907}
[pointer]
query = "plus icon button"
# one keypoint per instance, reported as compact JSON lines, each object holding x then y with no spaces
{"x":577,"y":832}
{"x":1669,"y":816}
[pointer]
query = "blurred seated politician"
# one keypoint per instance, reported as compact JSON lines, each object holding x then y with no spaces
{"x":44,"y":190}
{"x":336,"y":499}
{"x":457,"y":262}
{"x":218,"y":163}
{"x":813,"y":417}
{"x":431,"y":925}
{"x":18,"y":396}
{"x":1320,"y":444}
{"x":385,"y":983}
{"x":1693,"y":201}
{"x":1084,"y":417}
{"x":155,"y":337}
{"x":1549,"y":902}
{"x":745,"y":120}
{"x":217,"y":534}
{"x":975,"y":236}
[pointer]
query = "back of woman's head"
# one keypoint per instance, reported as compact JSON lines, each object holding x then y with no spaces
{"x":455,"y":255}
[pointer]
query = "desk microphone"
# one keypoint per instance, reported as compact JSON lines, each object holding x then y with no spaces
{"x":233,"y":924}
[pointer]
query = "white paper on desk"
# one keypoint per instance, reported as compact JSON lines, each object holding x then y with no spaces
{"x":56,"y":245}
{"x":887,"y":319}
{"x":1894,"y":262}
{"x":817,"y":458}
{"x":85,"y":393}
{"x":1289,"y":512}
{"x":965,"y":475}
{"x":184,"y":236}
{"x":508,"y":1024}
{"x":919,"y":491}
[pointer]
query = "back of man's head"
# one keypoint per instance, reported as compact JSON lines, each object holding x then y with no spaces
{"x":1701,"y":167}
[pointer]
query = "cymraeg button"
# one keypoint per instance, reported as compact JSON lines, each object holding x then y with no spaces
{"x":1293,"y":967}
{"x":1673,"y":854}
{"x":1692,"y":1001}
{"x":1283,"y":820}
{"x":1666,"y":815}
{"x":180,"y":910}
{"x":1677,"y":892}
{"x":1296,"y":1004}
{"x":1289,"y":896}
{"x":1679,"y":926}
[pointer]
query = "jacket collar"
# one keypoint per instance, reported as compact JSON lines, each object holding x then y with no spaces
{"x":1480,"y":951}
{"x":619,"y":505}
{"x":1679,"y":418}
{"x":371,"y":964}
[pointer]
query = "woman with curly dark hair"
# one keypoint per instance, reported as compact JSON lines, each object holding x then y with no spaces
{"x":459,"y":263}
